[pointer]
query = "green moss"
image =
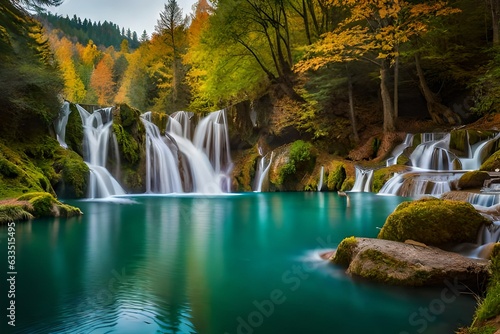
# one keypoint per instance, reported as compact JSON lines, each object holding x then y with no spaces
{"x":74,"y":174}
{"x":128,"y":145}
{"x":345,"y":251}
{"x":382,"y":175}
{"x":13,"y":210}
{"x":473,"y":179}
{"x":128,"y":115}
{"x":19,"y":174}
{"x":433,"y":222}
{"x":46,"y":205}
{"x":492,"y":163}
{"x":336,"y":177}
{"x":347,"y":184}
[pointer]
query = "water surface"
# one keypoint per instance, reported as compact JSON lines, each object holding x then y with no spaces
{"x":239,"y":263}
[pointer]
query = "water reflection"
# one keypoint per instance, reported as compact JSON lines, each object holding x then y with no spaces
{"x":197,"y":264}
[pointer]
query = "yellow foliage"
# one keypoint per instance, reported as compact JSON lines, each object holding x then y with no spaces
{"x":391,"y":22}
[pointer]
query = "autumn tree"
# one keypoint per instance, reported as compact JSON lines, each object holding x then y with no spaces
{"x":374,"y":31}
{"x":102,"y":80}
{"x":74,"y":89}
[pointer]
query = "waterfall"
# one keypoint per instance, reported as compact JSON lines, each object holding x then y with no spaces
{"x":261,"y":181}
{"x":364,"y":180}
{"x":420,"y":183}
{"x":321,"y":175}
{"x":96,"y":137}
{"x":61,"y":122}
{"x":162,"y":173}
{"x":176,"y":164}
{"x":485,"y":200}
{"x":487,"y":237}
{"x":399,"y":149}
{"x":433,"y":153}
{"x":478,"y":153}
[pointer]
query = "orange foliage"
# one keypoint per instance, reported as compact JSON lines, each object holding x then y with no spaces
{"x":102,"y":80}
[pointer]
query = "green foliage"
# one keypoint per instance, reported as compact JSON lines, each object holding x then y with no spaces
{"x":301,"y":158}
{"x":434,"y":222}
{"x":128,"y":145}
{"x":104,"y":34}
{"x":345,"y":251}
{"x":486,"y":87}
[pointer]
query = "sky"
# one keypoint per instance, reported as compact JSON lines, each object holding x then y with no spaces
{"x":138,"y":15}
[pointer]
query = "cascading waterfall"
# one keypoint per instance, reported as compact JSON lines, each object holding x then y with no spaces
{"x":418,"y":183}
{"x":434,"y":154}
{"x":478,"y":153}
{"x":97,"y":134}
{"x":364,"y":180}
{"x":60,"y":124}
{"x":487,"y":237}
{"x":435,"y":167}
{"x":261,"y":181}
{"x":399,"y":149}
{"x":162,"y":173}
{"x":176,"y":164}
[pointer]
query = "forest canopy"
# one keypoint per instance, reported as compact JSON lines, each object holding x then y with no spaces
{"x":327,"y":56}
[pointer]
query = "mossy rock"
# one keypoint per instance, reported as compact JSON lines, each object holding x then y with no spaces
{"x":13,"y":210}
{"x":73,"y":175}
{"x":128,"y":116}
{"x":433,"y":222}
{"x":18,"y":173}
{"x":345,"y":251}
{"x":382,"y":175}
{"x":46,"y":205}
{"x":129,"y":147}
{"x":348,"y":184}
{"x":492,"y":163}
{"x":336,"y":177}
{"x":473,"y":179}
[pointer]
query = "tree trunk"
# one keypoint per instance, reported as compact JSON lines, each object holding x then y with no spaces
{"x":439,"y":113}
{"x":396,"y":87}
{"x":495,"y":12}
{"x":351,"y":107}
{"x":386,"y":99}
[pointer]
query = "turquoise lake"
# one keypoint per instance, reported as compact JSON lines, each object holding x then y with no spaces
{"x":237,"y":263}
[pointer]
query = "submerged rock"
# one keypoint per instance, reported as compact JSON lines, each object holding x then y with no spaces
{"x":408,"y":264}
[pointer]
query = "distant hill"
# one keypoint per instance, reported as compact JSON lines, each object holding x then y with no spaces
{"x":103,"y":34}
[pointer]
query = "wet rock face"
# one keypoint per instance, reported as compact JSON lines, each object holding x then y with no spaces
{"x":409,"y":264}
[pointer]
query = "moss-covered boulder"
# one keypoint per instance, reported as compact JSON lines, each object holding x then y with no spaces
{"x":473,"y":179}
{"x":492,"y":163}
{"x":398,"y":263}
{"x":43,"y":204}
{"x":433,"y":222}
{"x":382,"y":175}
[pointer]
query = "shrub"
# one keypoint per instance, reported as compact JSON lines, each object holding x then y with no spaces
{"x":301,"y":158}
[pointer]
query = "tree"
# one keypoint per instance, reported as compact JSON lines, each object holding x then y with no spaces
{"x":373,"y":31}
{"x":171,"y":30}
{"x":102,"y":80}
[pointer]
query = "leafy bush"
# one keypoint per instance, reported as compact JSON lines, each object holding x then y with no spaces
{"x":301,"y":158}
